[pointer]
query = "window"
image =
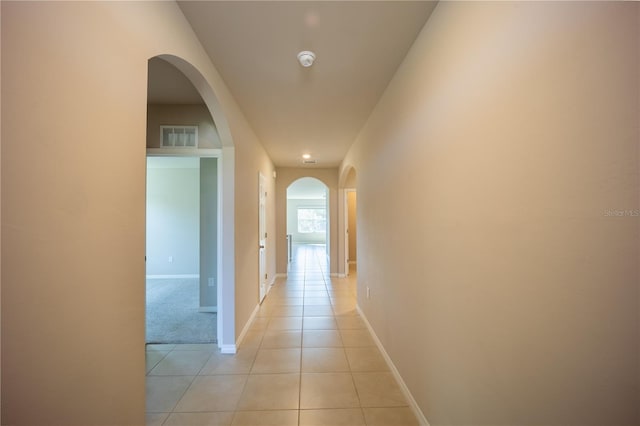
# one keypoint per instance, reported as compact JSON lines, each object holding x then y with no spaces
{"x":312,"y":219}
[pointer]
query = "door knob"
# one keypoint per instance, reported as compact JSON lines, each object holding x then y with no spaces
{"x":261,"y":247}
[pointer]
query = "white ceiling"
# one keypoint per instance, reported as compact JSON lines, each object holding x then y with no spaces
{"x":295,"y":110}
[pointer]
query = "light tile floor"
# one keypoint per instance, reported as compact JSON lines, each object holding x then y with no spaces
{"x":308,"y":359}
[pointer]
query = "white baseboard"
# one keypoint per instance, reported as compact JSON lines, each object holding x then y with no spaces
{"x":403,"y":386}
{"x":176,"y":276}
{"x":247,"y":326}
{"x":208,"y":309}
{"x":280,"y":275}
{"x":352,"y":262}
{"x":227,"y":349}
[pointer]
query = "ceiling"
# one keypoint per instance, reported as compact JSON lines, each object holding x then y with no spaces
{"x":295,"y":110}
{"x":168,"y":85}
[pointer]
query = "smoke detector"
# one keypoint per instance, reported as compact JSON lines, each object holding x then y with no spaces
{"x":306,"y":58}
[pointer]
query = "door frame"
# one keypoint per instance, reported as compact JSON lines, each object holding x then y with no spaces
{"x":346,"y":229}
{"x":262,"y":238}
{"x":205,"y":153}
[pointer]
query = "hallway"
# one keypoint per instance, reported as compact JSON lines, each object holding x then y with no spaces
{"x":308,"y":359}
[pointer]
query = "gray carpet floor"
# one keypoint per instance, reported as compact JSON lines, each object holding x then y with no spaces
{"x":172,"y":313}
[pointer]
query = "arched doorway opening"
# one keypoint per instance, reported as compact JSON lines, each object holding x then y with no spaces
{"x":180,"y":98}
{"x":348,"y":229}
{"x":351,"y":228}
{"x":308,"y":226}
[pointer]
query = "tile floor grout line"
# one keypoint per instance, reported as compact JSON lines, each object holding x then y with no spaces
{"x":180,"y":399}
{"x":304,"y":292}
{"x":205,"y":363}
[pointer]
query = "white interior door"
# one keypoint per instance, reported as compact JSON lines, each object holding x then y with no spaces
{"x":262,"y":238}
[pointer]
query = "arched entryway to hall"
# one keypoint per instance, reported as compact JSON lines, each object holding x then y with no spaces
{"x":308,"y":224}
{"x":285,"y":176}
{"x":188,"y":135}
{"x":351,"y":223}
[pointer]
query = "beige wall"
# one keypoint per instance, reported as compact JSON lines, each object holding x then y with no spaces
{"x":500,"y":287}
{"x":249,"y":161}
{"x":182,"y":115}
{"x":285,"y":177}
{"x":74,"y":79}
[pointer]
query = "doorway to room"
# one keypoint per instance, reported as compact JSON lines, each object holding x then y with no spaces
{"x":351,"y":231}
{"x":308,"y":222}
{"x":262,"y":236}
{"x":181,"y":249}
{"x":349,"y":220}
{"x":182,"y":210}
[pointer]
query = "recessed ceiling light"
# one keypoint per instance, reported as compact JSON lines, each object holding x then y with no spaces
{"x":306,"y":58}
{"x":306,"y":156}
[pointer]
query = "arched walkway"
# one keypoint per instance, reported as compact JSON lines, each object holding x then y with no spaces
{"x":348,"y":223}
{"x":308,"y":222}
{"x":285,"y":177}
{"x":226,"y":225}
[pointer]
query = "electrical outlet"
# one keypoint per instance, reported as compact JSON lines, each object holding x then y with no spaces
{"x":212,"y":282}
{"x":368,"y":293}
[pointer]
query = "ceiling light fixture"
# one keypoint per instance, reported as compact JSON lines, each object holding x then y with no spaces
{"x":306,"y":58}
{"x":306,"y":156}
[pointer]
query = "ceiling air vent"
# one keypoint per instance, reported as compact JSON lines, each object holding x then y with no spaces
{"x":309,"y":161}
{"x":178,"y":136}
